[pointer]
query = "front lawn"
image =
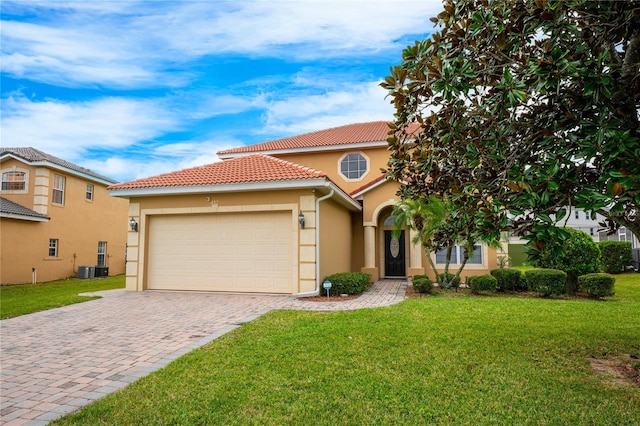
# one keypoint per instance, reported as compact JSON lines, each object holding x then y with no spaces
{"x":434,"y":360}
{"x":16,"y":300}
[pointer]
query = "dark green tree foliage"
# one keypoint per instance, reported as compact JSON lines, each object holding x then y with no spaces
{"x":577,"y":255}
{"x":524,"y":107}
{"x":615,"y":256}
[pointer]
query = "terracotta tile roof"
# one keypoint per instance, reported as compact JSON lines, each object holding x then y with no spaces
{"x":375,"y":131}
{"x":32,"y":155}
{"x":367,"y":185}
{"x":247,"y":169}
{"x":9,"y":207}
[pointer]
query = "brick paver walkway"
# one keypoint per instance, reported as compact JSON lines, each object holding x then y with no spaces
{"x":56,"y":361}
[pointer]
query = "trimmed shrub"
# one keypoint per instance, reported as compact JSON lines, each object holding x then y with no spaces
{"x":615,"y":256}
{"x":451,"y":282}
{"x":522,"y":283}
{"x":422,"y":284}
{"x":597,"y":286}
{"x":483,"y":283}
{"x":508,"y":279}
{"x":347,"y":283}
{"x":546,"y":281}
{"x":577,"y":255}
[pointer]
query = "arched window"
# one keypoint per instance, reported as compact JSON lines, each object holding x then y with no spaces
{"x":14,"y":180}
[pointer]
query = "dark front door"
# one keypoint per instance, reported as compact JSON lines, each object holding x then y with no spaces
{"x":394,"y":254}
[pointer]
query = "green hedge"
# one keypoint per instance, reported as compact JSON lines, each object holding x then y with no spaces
{"x":546,"y":281}
{"x":615,"y":256}
{"x":422,"y":284}
{"x":346,"y":283}
{"x":597,"y":286}
{"x":482,"y":283}
{"x":508,"y":278}
{"x":577,"y":255}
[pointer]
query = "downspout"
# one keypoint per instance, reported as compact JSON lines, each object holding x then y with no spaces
{"x":316,"y":291}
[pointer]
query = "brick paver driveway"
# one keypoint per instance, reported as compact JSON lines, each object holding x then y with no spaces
{"x":56,"y":361}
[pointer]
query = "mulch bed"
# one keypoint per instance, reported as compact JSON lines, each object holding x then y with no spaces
{"x":330,"y":298}
{"x":324,"y":298}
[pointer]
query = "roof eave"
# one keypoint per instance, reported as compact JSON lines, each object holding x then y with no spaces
{"x":312,"y":183}
{"x":17,"y":216}
{"x":54,"y":166}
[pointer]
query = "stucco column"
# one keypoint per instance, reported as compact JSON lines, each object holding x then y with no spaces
{"x":370,"y":253}
{"x":369,"y":246}
{"x":415,"y":255}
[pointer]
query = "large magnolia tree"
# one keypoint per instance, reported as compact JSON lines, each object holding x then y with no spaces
{"x":525,"y":107}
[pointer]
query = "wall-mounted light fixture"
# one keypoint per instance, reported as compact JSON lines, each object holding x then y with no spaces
{"x":133,"y":224}
{"x":301,"y":220}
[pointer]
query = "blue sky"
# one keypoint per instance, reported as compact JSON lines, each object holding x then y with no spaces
{"x":132,"y":89}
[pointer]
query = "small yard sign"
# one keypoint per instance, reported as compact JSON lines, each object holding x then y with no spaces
{"x":327,"y":286}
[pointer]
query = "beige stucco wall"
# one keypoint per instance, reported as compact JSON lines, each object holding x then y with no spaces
{"x":357,"y":242}
{"x":335,"y":239}
{"x":329,"y":162}
{"x":78,"y":225}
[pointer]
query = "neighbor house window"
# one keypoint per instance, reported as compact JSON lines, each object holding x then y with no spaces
{"x":102,"y":253}
{"x":457,"y":254}
{"x":53,"y":247}
{"x":58,"y":189}
{"x":577,"y":214}
{"x":353,"y":166}
{"x":622,"y":234}
{"x":14,"y":181}
{"x":89,"y":193}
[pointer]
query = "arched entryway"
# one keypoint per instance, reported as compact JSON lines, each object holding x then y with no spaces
{"x":384,"y":255}
{"x":394,"y":249}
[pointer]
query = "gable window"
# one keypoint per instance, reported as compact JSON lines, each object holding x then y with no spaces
{"x":58,"y":190}
{"x":353,"y":166}
{"x":89,"y":192}
{"x":457,"y":255}
{"x":14,"y":181}
{"x":53,"y":247}
{"x":102,"y":253}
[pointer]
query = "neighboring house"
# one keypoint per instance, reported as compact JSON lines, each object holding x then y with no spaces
{"x":577,"y":219}
{"x":56,"y":216}
{"x":276,"y":217}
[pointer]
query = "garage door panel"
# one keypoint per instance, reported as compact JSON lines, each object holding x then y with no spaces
{"x":244,"y":252}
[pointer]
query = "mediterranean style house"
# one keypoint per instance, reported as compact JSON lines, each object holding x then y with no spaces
{"x":56,"y":217}
{"x":276,"y":217}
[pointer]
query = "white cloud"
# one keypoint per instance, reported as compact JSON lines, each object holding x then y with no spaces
{"x":355,"y":103}
{"x":106,"y":122}
{"x":150,"y":44}
{"x":163,"y":159}
{"x":303,"y":29}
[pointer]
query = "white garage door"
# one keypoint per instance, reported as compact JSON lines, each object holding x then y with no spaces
{"x":240,"y":252}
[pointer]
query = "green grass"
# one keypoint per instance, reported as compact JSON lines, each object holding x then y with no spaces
{"x":16,"y":300}
{"x":435,"y":360}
